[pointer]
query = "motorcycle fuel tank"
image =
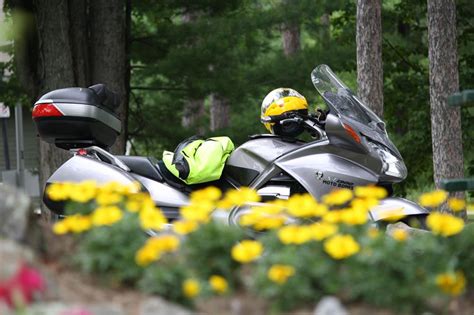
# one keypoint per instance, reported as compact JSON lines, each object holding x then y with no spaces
{"x":252,"y":157}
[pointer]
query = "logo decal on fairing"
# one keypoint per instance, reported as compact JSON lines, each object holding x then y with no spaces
{"x":333,"y":181}
{"x":319,"y":175}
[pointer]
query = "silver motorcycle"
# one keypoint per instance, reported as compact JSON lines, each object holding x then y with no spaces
{"x":349,"y":147}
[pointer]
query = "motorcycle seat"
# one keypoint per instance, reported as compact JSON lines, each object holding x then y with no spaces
{"x":143,"y":166}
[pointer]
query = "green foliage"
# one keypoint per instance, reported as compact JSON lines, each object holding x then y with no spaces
{"x":165,"y":279}
{"x":208,"y":249}
{"x":110,"y":250}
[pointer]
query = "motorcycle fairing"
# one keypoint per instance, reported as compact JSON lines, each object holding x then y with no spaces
{"x":254,"y":156}
{"x":320,"y":167}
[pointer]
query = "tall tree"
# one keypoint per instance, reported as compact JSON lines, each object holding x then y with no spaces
{"x":444,"y":80}
{"x":290,"y":32}
{"x":369,"y":54}
{"x":219,"y":112}
{"x":193,"y":109}
{"x":53,"y":53}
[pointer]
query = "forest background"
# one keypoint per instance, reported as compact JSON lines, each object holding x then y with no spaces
{"x":204,"y":67}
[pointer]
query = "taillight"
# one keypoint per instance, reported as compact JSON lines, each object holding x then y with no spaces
{"x":46,"y":110}
{"x":351,"y":132}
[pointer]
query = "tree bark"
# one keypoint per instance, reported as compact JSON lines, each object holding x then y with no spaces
{"x":220,"y":112}
{"x":78,"y":33}
{"x":291,"y":39}
{"x":444,"y":80}
{"x":57,"y":51}
{"x":55,"y":69}
{"x":193,"y":110}
{"x":108,"y":55}
{"x":369,"y":54}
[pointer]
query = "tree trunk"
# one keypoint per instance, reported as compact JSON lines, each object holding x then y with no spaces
{"x":57,"y":50}
{"x":55,"y":69}
{"x":108,"y":55}
{"x":291,"y":39}
{"x":369,"y":54}
{"x":220,"y":112}
{"x":444,"y":80}
{"x":193,"y":110}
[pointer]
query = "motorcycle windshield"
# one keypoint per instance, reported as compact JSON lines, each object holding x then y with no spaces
{"x":340,"y":98}
{"x":345,"y":104}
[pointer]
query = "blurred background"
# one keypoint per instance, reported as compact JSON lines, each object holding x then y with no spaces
{"x":204,"y":66}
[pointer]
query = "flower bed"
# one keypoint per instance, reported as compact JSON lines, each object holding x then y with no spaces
{"x":289,"y":252}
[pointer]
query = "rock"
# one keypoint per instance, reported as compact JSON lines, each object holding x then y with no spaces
{"x":59,"y":308}
{"x":159,"y":306}
{"x":330,"y":305}
{"x":15,"y":209}
{"x":12,"y":255}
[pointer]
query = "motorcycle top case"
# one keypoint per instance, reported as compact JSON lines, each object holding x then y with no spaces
{"x":78,"y":117}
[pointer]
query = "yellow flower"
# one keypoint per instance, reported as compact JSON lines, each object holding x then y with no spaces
{"x":394,"y":215}
{"x":352,"y":216}
{"x":146,"y":255}
{"x":218,"y":284}
{"x":138,"y":201}
{"x":164,"y":243}
{"x":59,"y":191}
{"x":370,"y":192}
{"x":108,"y":198}
{"x":60,"y":227}
{"x":78,"y":223}
{"x":106,"y":215}
{"x":341,"y":246}
{"x":191,"y":288}
{"x":184,"y":227}
{"x":238,"y":197}
{"x":364,"y":204}
{"x":333,"y":216}
{"x":451,"y":283}
{"x":433,"y":199}
{"x":83,"y":192}
{"x":322,"y":230}
{"x":133,"y":206}
{"x":400,"y":235}
{"x":280,"y":273}
{"x":444,"y":224}
{"x":338,"y":197}
{"x":295,"y":234}
{"x":207,"y":194}
{"x":456,"y":204}
{"x":269,"y":222}
{"x":304,"y":206}
{"x":198,"y":212}
{"x":119,"y":188}
{"x":152,"y":219}
{"x":247,"y":251}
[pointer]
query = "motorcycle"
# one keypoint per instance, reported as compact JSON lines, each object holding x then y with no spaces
{"x":350,"y":147}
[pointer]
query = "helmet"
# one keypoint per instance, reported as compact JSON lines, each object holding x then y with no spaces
{"x":283,"y":101}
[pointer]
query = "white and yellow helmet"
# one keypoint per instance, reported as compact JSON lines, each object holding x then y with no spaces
{"x":281,"y":101}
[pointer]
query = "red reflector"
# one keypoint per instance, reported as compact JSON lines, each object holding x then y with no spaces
{"x":351,"y":132}
{"x":82,"y":152}
{"x":46,"y":110}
